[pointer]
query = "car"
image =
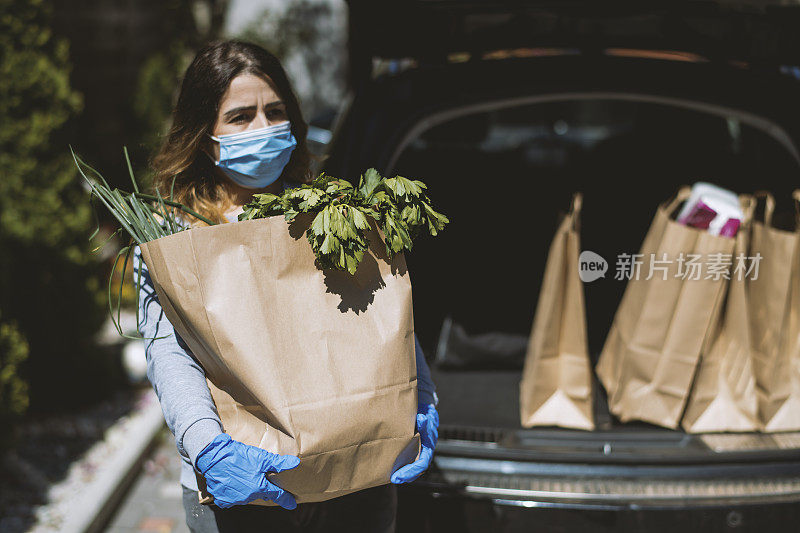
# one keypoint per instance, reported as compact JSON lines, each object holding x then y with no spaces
{"x":506,"y":108}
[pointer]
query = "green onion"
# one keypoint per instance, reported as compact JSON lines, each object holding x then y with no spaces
{"x":136,"y":214}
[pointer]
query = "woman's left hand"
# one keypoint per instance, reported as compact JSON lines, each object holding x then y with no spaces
{"x":428,"y":428}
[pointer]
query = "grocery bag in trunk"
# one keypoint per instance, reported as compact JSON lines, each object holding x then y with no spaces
{"x":302,"y":361}
{"x":723,"y":396}
{"x":775,"y":304}
{"x":660,"y":327}
{"x":556,"y":385}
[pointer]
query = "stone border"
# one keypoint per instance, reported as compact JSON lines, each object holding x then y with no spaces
{"x":95,"y":485}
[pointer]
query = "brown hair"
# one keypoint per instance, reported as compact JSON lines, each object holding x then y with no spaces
{"x":196,"y":184}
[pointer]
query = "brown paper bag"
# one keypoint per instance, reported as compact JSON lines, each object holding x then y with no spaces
{"x":723,"y":396}
{"x":556,"y":385}
{"x":649,"y":357}
{"x":793,"y":329}
{"x":300,"y":361}
{"x":775,"y":301}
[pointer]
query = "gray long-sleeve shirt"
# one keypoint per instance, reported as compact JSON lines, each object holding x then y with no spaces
{"x":179,"y":380}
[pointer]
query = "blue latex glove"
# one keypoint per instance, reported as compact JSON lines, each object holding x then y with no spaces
{"x":428,"y":428}
{"x":236,"y":473}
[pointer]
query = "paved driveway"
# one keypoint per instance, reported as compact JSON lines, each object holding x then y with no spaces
{"x":153,"y":503}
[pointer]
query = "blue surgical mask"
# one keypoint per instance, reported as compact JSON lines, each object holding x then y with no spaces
{"x":255,"y":159}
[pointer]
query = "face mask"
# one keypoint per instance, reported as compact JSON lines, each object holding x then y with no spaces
{"x":255,"y":159}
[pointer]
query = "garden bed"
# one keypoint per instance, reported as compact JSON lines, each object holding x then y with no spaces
{"x":67,"y":469}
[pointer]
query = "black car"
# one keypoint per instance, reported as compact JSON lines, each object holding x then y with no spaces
{"x":506,"y":108}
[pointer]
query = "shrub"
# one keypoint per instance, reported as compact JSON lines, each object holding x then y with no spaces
{"x":13,"y":389}
{"x":50,"y":283}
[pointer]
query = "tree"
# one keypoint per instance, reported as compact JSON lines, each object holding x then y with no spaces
{"x":49,"y":279}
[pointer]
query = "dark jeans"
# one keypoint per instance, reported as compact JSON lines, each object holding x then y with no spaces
{"x":371,"y":510}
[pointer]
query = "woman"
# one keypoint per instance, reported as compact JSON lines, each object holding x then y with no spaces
{"x":237,"y":130}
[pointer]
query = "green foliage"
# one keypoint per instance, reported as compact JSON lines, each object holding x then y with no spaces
{"x":192,"y":24}
{"x":49,"y":280}
{"x":338,"y":231}
{"x":13,"y":388}
{"x":35,"y":101}
{"x":153,"y":99}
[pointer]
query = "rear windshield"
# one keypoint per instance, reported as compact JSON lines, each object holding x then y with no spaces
{"x":503,"y":175}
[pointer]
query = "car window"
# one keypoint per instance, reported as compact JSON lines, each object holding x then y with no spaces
{"x":502,"y":175}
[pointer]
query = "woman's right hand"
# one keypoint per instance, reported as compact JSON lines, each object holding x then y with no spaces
{"x":236,"y":473}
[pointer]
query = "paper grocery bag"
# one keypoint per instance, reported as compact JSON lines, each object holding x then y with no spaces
{"x":556,"y":385}
{"x":775,"y":302}
{"x":302,"y":361}
{"x":648,"y":361}
{"x":723,"y":396}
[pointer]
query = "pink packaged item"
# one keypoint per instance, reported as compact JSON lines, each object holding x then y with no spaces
{"x":712,"y":208}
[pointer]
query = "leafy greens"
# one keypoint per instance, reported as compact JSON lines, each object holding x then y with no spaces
{"x":337,"y":233}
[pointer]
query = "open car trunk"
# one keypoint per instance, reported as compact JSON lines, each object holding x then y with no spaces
{"x":503,"y":122}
